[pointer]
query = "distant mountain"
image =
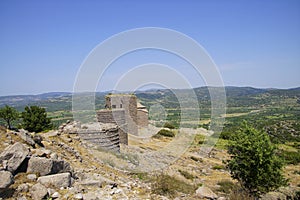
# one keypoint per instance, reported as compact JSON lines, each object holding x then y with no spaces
{"x":245,"y":96}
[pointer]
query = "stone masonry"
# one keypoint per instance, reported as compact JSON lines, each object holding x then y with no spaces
{"x":125,"y":111}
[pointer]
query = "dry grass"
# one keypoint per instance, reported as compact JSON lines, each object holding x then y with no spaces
{"x":163,"y":184}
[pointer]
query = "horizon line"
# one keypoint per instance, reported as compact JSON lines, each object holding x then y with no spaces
{"x":126,"y":91}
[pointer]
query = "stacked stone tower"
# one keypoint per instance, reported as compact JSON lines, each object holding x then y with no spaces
{"x":128,"y":103}
{"x":125,"y":111}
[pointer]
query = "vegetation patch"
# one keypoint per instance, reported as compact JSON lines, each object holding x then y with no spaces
{"x":218,"y":167}
{"x":290,"y":157}
{"x":166,"y":185}
{"x":197,"y":159}
{"x":254,"y":162}
{"x":186,"y":174}
{"x":169,"y":125}
{"x":198,"y":140}
{"x":226,"y":186}
{"x":164,"y":133}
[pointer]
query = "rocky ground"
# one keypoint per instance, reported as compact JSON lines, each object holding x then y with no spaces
{"x":60,"y":165}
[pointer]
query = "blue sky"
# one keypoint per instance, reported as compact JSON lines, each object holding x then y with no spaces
{"x":43,"y":43}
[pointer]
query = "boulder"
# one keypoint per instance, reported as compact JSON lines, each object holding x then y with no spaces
{"x":78,"y":196}
{"x":6,"y":179}
{"x":61,"y":166}
{"x":205,"y":192}
{"x":45,"y":166}
{"x":42,"y":166}
{"x":38,"y":192}
{"x":56,"y":180}
{"x":31,"y":177}
{"x":25,"y":135}
{"x":42,"y":153}
{"x":13,"y":156}
{"x":23,"y":188}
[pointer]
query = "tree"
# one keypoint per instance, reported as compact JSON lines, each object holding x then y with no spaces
{"x":254,"y":162}
{"x":9,"y":114}
{"x":35,"y":119}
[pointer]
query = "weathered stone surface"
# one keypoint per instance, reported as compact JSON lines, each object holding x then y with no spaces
{"x":25,"y":135}
{"x":55,"y":195}
{"x":6,"y":179}
{"x":56,"y":180}
{"x":205,"y":192}
{"x":45,"y":166}
{"x":42,"y":153}
{"x":31,"y":177}
{"x":78,"y":196}
{"x":23,"y":188}
{"x":61,"y":166}
{"x":38,"y":192}
{"x":69,"y":127}
{"x":14,"y":155}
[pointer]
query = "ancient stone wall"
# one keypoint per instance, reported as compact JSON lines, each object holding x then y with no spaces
{"x":142,"y":118}
{"x":116,"y":116}
{"x":128,"y":103}
{"x":106,"y":139}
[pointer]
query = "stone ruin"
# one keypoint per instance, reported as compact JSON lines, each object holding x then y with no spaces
{"x":125,"y":111}
{"x":123,"y":114}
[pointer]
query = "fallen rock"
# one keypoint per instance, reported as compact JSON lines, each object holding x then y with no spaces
{"x":24,"y":135}
{"x":55,"y":195}
{"x":42,"y":153}
{"x":32,"y":177}
{"x":42,"y":166}
{"x":23,"y":188}
{"x":14,"y":155}
{"x":38,"y":192}
{"x":56,"y":180}
{"x":78,"y":196}
{"x":45,"y":166}
{"x":205,"y":192}
{"x":6,"y":179}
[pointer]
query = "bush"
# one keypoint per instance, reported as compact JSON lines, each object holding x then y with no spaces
{"x":35,"y":119}
{"x":169,"y":125}
{"x":165,"y":133}
{"x":9,"y":114}
{"x":218,"y":167}
{"x":166,"y":185}
{"x":254,"y":162}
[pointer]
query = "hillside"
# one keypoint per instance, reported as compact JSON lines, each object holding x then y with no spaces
{"x":99,"y":173}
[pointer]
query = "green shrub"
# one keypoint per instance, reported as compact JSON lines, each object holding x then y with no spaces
{"x":218,"y":167}
{"x":169,"y":125}
{"x":9,"y":114}
{"x":165,"y":133}
{"x":254,"y":162}
{"x":198,"y":139}
{"x":186,"y":174}
{"x":163,"y":184}
{"x":35,"y":119}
